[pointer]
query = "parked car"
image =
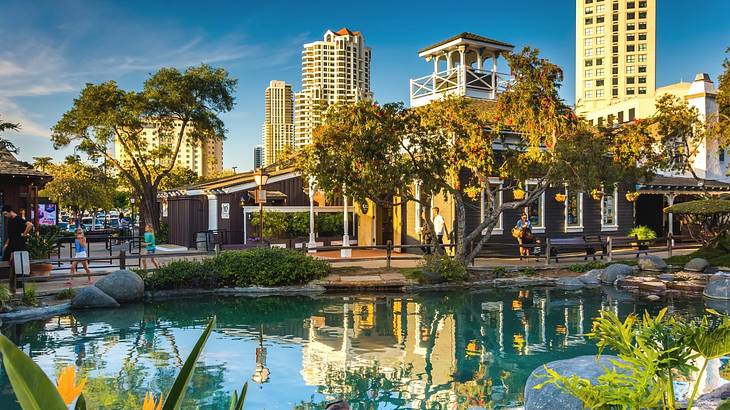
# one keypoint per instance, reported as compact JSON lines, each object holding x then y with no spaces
{"x":63,"y":226}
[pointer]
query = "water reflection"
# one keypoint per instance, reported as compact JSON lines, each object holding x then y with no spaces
{"x":445,"y":350}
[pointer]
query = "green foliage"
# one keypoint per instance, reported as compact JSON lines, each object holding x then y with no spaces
{"x":499,"y":271}
{"x":30,"y":294}
{"x":652,"y":351}
{"x":80,"y":187}
{"x":528,"y":271}
{"x":40,"y":245}
{"x":451,"y":269}
{"x":163,"y":233}
{"x":66,"y":294}
{"x":255,"y":266}
{"x":4,"y":143}
{"x":281,"y":225}
{"x":32,"y":387}
{"x":585,"y":267}
{"x":716,"y":257}
{"x":329,"y":224}
{"x":707,"y":220}
{"x":237,"y":400}
{"x":5,"y":294}
{"x":642,"y":233}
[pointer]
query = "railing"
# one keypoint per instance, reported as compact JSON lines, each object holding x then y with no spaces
{"x":465,"y":81}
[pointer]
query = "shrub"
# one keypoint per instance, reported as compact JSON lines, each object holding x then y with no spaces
{"x":256,"y":266}
{"x":66,"y":294}
{"x":528,"y":271}
{"x":5,"y":294}
{"x":585,"y":267}
{"x":329,"y":224}
{"x":642,"y":233}
{"x":30,"y":297}
{"x":707,"y":220}
{"x":449,"y":268}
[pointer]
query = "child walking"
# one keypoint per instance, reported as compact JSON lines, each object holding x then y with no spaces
{"x":149,"y":246}
{"x":81,"y":253}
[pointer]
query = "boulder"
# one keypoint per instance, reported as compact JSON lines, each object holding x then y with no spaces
{"x":123,"y":285}
{"x":653,"y":298}
{"x":592,"y":277}
{"x":718,"y":287}
{"x":653,"y":287}
{"x":652,"y":263}
{"x":695,"y":276}
{"x":569,"y":283}
{"x":666,"y":276}
{"x":550,"y":397}
{"x":92,"y":297}
{"x":432,"y":278}
{"x":631,"y":281}
{"x":613,"y":272}
{"x":687,"y":286}
{"x":697,"y":265}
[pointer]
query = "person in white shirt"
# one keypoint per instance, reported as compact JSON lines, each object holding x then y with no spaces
{"x":439,"y":226}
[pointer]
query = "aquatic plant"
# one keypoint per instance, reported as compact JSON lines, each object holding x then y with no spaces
{"x":651,"y":351}
{"x":35,"y":391}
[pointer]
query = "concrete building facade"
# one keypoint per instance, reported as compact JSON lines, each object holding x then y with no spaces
{"x":205,"y":159}
{"x":615,"y":51}
{"x":258,"y":156}
{"x":278,"y":128}
{"x":334,"y":70}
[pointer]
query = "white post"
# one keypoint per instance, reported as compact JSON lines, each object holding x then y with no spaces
{"x":462,"y":69}
{"x":670,"y":216}
{"x":494,"y":76}
{"x":312,"y":244}
{"x":480,"y":61}
{"x":345,"y":252}
{"x":482,"y":205}
{"x":245,"y":226}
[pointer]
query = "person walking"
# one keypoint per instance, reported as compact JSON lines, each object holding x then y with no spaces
{"x":149,"y":246}
{"x":18,"y":229}
{"x":523,"y":233}
{"x":81,"y":253}
{"x":426,"y":237}
{"x":439,"y":226}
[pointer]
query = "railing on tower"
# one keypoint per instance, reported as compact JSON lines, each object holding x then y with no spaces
{"x":463,"y":81}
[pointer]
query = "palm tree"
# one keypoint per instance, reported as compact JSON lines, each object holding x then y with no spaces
{"x":6,"y":144}
{"x":41,"y":163}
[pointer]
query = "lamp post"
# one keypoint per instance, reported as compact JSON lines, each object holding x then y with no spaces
{"x":261,"y":178}
{"x":131,"y":221}
{"x":345,"y":251}
{"x":312,"y":244}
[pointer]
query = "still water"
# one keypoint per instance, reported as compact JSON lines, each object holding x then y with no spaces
{"x":432,"y":351}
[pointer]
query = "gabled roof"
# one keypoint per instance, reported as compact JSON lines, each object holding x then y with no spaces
{"x":346,"y":32}
{"x":468,"y":36}
{"x":9,"y":165}
{"x":684,"y":184}
{"x":234,"y":183}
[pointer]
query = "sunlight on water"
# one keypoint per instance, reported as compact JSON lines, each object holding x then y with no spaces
{"x":441,"y":350}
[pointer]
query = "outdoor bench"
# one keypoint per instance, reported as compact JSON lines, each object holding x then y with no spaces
{"x":572,"y":244}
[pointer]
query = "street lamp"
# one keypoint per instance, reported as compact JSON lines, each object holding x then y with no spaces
{"x":261,"y":178}
{"x":131,"y":221}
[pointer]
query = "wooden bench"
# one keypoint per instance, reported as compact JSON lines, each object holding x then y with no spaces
{"x":631,"y":242}
{"x":574,"y":244}
{"x":594,"y":243}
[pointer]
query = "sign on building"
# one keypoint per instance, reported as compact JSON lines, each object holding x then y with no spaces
{"x":225,"y":210}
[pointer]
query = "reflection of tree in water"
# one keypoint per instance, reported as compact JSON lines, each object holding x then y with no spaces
{"x":363,"y":388}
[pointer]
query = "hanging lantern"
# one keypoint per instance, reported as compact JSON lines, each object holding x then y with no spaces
{"x":632,"y":196}
{"x":560,"y":197}
{"x":518,"y":194}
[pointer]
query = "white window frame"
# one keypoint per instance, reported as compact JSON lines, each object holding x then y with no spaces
{"x":573,"y":228}
{"x":541,"y":200}
{"x":499,"y":227}
{"x":614,"y":226}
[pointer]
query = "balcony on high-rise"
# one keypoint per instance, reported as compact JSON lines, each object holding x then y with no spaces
{"x":463,"y":65}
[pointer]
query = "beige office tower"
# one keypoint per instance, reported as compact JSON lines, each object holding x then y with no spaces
{"x":336,"y":69}
{"x":205,"y":159}
{"x":278,"y":128}
{"x":615,"y":51}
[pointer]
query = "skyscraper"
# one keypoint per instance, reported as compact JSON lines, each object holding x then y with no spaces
{"x":278,"y":128}
{"x":336,"y":69}
{"x":258,"y":156}
{"x":615,"y":51}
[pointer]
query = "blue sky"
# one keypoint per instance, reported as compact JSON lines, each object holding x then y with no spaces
{"x":50,"y":49}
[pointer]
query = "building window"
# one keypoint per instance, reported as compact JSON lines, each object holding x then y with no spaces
{"x":599,"y":51}
{"x":599,"y":93}
{"x":614,"y":92}
{"x":600,"y":20}
{"x":589,"y":73}
{"x":589,"y":83}
{"x":642,"y":68}
{"x":629,"y":69}
{"x":609,"y":205}
{"x":589,"y":20}
{"x":630,"y":58}
{"x":630,"y":16}
{"x":630,"y":90}
{"x":642,"y":80}
{"x":600,"y":72}
{"x":632,"y":114}
{"x":722,"y":155}
{"x":536,"y":210}
{"x":630,"y":37}
{"x":614,"y":28}
{"x":588,"y":31}
{"x":614,"y":81}
{"x":600,"y":83}
{"x":588,"y":42}
{"x":600,"y":8}
{"x":589,"y":94}
{"x":631,"y":26}
{"x":642,"y":4}
{"x":642,"y":58}
{"x":642,"y":47}
{"x":630,"y":48}
{"x":589,"y":63}
{"x":642,"y":36}
{"x":600,"y":30}
{"x":600,"y":40}
{"x":589,"y":52}
{"x":599,"y":61}
{"x":589,"y":10}
{"x":573,"y":211}
{"x":630,"y":5}
{"x":642,"y":90}
{"x":642,"y":26}
{"x":630,"y":80}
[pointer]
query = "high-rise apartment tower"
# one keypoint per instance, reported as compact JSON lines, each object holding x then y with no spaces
{"x":278,"y":128}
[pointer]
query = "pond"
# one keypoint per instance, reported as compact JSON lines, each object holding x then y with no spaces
{"x":385,"y":351}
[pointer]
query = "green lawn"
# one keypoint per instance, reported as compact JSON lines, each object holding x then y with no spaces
{"x":716,"y":257}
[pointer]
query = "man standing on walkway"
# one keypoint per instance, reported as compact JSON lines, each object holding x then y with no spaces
{"x":439,"y":226}
{"x":18,"y":230}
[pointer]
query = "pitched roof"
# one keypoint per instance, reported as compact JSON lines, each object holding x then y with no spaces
{"x":346,"y":32}
{"x":675,"y":183}
{"x":220,"y":184}
{"x":9,"y":165}
{"x":467,"y":36}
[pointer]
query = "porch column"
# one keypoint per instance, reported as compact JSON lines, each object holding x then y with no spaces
{"x":245,"y":226}
{"x":345,"y":252}
{"x":494,"y":75}
{"x":670,"y":216}
{"x":312,"y":244}
{"x":462,"y":69}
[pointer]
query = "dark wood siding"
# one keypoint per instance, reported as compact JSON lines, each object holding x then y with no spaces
{"x":186,"y":216}
{"x":234,"y":223}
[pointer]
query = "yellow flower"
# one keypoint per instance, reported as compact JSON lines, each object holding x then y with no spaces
{"x":66,"y":385}
{"x":149,"y":402}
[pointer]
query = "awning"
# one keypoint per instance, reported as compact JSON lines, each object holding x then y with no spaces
{"x":683,"y":185}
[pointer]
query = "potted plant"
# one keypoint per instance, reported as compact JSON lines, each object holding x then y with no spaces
{"x":518,"y":194}
{"x":40,"y":246}
{"x":560,"y":197}
{"x":632,"y":196}
{"x":596,"y":194}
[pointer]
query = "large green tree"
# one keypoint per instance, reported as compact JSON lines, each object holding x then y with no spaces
{"x":723,"y":102}
{"x":149,"y":125}
{"x":5,"y":144}
{"x":454,"y":146}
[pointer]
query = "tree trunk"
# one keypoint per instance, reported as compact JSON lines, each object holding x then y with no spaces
{"x":460,"y":234}
{"x":148,"y":208}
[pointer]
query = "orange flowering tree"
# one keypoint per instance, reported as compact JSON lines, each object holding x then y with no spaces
{"x":453,"y":146}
